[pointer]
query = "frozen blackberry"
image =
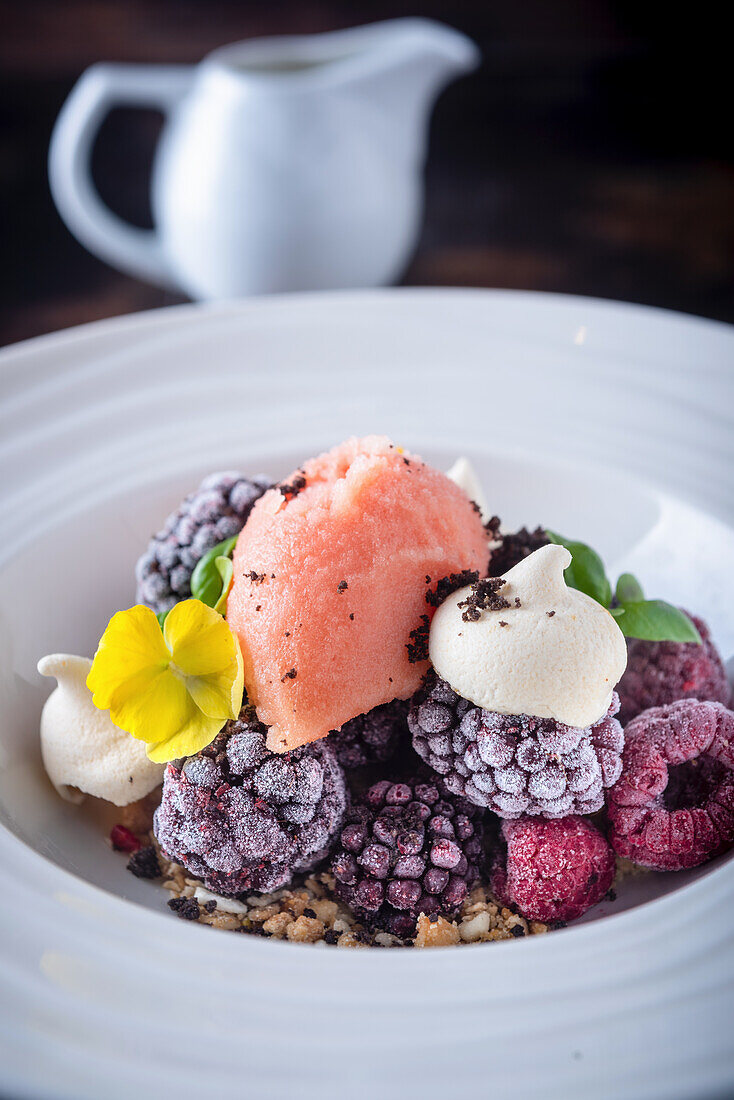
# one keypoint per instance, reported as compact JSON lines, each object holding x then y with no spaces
{"x":242,"y":818}
{"x":514,"y":546}
{"x":662,"y":672}
{"x":371,"y":738}
{"x":515,"y":764}
{"x":673,"y":805}
{"x":215,"y":512}
{"x":407,"y":848}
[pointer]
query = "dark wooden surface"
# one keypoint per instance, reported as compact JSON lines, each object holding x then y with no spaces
{"x":591,"y":154}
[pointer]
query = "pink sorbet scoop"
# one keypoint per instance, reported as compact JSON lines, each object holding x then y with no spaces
{"x":331,"y":573}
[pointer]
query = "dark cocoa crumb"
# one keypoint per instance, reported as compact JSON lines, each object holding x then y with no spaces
{"x":476,"y":507}
{"x":210,"y":905}
{"x":352,"y":616}
{"x":503,"y":623}
{"x":331,"y":937}
{"x":342,"y":587}
{"x":144,"y":863}
{"x":514,"y":546}
{"x":484,"y":596}
{"x":185,"y":908}
{"x":428,"y":579}
{"x":309,"y":913}
{"x":256,"y":578}
{"x":517,"y":601}
{"x":287,"y":634}
{"x":611,"y":894}
{"x":406,"y":461}
{"x":517,"y":930}
{"x":550,"y":614}
{"x":291,"y":489}
{"x":259,"y":607}
{"x":290,"y":675}
{"x":446,"y":585}
{"x":418,"y":645}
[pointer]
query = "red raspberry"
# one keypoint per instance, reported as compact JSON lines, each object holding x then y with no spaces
{"x":673,"y":806}
{"x":123,"y":840}
{"x":552,"y":869}
{"x":662,"y":672}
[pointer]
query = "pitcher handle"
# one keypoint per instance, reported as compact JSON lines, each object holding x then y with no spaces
{"x":102,"y":87}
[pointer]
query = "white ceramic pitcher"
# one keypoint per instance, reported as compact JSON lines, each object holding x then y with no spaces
{"x":284,"y":163}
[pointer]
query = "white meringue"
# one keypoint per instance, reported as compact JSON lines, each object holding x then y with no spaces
{"x":559,"y":654}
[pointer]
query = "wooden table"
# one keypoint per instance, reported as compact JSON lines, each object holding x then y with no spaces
{"x":589,"y":155}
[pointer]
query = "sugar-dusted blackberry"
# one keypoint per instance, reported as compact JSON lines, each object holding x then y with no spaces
{"x":242,"y":818}
{"x":407,"y":847}
{"x":371,"y":738}
{"x":215,"y":512}
{"x":515,"y":764}
{"x":514,"y":546}
{"x":661,"y":672}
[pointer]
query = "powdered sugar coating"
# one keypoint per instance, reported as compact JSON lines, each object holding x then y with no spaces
{"x":552,"y":870}
{"x":673,"y":805}
{"x":241,"y":818}
{"x":515,"y":765}
{"x":215,"y":512}
{"x":663,"y":672}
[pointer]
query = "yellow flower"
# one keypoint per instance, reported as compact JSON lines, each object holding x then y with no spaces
{"x":172,"y":688}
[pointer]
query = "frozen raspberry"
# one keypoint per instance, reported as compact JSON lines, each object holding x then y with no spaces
{"x":515,"y":764}
{"x":407,"y":848}
{"x":552,"y":870}
{"x":371,"y":738}
{"x":673,"y":805}
{"x":514,"y":546}
{"x":662,"y":672}
{"x":242,"y":818}
{"x":215,"y":512}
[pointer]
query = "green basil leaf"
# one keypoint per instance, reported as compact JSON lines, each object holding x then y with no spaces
{"x":226,"y":571}
{"x":629,"y":589}
{"x":655,"y":621}
{"x":206,"y":580}
{"x":586,"y":571}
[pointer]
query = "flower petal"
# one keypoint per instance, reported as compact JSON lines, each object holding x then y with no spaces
{"x":194,"y":736}
{"x":152,"y":709}
{"x":132,"y":644}
{"x":199,"y":639}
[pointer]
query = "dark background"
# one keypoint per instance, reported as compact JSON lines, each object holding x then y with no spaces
{"x":591,"y":153}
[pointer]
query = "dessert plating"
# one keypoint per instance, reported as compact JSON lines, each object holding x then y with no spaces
{"x":379,"y":719}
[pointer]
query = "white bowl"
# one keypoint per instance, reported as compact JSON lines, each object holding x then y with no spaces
{"x":611,"y":423}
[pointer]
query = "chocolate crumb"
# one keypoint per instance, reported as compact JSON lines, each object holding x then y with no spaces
{"x":259,"y":607}
{"x":484,"y":596}
{"x":446,"y":585}
{"x":256,"y":578}
{"x":517,"y":601}
{"x":290,"y":675}
{"x":342,"y":587}
{"x":428,"y":579}
{"x":309,"y":913}
{"x":186,"y":908}
{"x":550,"y":614}
{"x":352,"y":616}
{"x":418,"y":645}
{"x":517,"y":930}
{"x":503,"y":623}
{"x":611,"y":895}
{"x":331,"y":937}
{"x":144,"y":863}
{"x":514,"y":546}
{"x":210,"y":905}
{"x":287,"y":634}
{"x":291,"y":489}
